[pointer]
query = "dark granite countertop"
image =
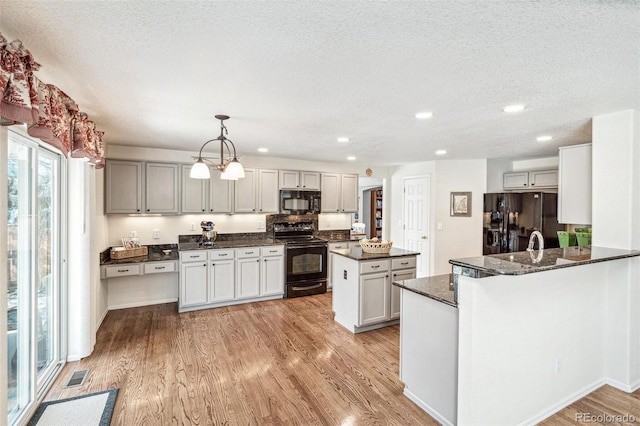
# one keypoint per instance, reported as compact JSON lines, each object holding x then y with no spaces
{"x":524,"y":262}
{"x":358,"y":254}
{"x":155,"y":254}
{"x":438,"y":287}
{"x":224,"y":241}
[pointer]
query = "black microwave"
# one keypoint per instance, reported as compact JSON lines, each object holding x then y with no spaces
{"x":299,"y":202}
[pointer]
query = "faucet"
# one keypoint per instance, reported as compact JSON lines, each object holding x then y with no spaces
{"x":538,"y":235}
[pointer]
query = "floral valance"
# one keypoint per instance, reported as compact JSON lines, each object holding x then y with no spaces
{"x":50,"y":114}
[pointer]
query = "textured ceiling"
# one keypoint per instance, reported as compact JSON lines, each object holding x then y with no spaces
{"x":294,"y":76}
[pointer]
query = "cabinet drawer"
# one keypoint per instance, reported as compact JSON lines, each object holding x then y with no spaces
{"x":403,"y":263}
{"x":121,"y":270}
{"x":221,"y":254}
{"x":159,"y":267}
{"x":272,"y":251}
{"x":193,"y":256}
{"x":338,"y":246}
{"x":247,"y":252}
{"x":377,"y":266}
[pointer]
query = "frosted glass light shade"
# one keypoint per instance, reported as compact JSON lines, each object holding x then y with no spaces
{"x":225,"y":176}
{"x":199,"y":170}
{"x":234,"y":170}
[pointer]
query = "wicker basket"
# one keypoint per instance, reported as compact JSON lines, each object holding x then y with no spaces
{"x":369,"y":246}
{"x":125,"y":254}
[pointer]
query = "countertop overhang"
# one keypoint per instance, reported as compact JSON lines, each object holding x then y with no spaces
{"x":358,"y":254}
{"x":437,"y":287}
{"x":525,"y":262}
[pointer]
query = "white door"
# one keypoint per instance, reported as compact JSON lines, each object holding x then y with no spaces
{"x":416,"y":221}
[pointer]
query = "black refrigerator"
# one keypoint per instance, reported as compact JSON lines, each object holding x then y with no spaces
{"x":511,"y":217}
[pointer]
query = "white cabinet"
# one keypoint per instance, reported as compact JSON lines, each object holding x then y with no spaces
{"x":121,"y":270}
{"x":513,"y":180}
{"x":574,"y":185}
{"x":247,"y":277}
{"x":161,"y":188}
{"x":530,"y":180}
{"x":220,"y":195}
{"x":123,"y":186}
{"x":363,"y":295}
{"x":257,"y":192}
{"x":159,"y":267}
{"x":337,"y":246}
{"x":193,"y":283}
{"x":374,"y":298}
{"x":221,"y":276}
{"x":401,"y":269}
{"x":339,"y":193}
{"x":292,"y":179}
{"x":543,"y":179}
{"x":272,"y":271}
{"x":193,"y":192}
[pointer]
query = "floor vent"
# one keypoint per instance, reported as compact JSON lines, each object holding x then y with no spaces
{"x":77,"y":378}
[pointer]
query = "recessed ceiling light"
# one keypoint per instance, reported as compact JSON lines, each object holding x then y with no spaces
{"x":544,"y":138}
{"x":424,"y":115}
{"x":343,"y":139}
{"x":441,"y":152}
{"x":351,"y":158}
{"x":513,"y":108}
{"x":263,"y":149}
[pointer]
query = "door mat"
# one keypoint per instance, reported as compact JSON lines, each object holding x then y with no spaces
{"x":87,"y":410}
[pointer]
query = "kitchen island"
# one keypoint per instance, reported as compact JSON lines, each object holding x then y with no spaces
{"x":363,"y":297}
{"x":522,"y":336}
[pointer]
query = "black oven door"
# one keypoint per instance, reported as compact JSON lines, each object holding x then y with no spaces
{"x":306,"y":263}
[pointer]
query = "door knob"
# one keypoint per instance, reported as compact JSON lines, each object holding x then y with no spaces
{"x":424,"y":237}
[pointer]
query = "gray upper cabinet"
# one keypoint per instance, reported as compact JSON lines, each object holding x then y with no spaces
{"x":515,"y":180}
{"x":574,"y":189}
{"x":245,"y":192}
{"x":123,"y":186}
{"x":530,"y":180}
{"x":304,"y":181}
{"x":161,"y":189}
{"x":339,"y":193}
{"x":220,"y":193}
{"x":193,"y":194}
{"x":268,"y":195}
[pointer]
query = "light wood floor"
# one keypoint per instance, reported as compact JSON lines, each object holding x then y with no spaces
{"x":276,"y":362}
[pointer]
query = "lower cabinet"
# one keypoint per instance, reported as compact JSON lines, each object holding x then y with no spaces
{"x":219,"y":277}
{"x":364,"y":296}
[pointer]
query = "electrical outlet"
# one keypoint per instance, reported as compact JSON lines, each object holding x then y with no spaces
{"x":134,"y":234}
{"x":440,"y":227}
{"x":193,"y":227}
{"x":156,"y":234}
{"x":261,"y":225}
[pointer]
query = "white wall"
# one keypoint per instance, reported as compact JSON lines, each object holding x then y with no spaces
{"x":616,"y":223}
{"x":99,"y":241}
{"x":460,"y":236}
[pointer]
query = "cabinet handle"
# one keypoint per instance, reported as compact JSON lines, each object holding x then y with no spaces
{"x":211,"y":210}
{"x":138,"y":210}
{"x":222,"y":254}
{"x":337,"y":210}
{"x":148,"y":210}
{"x":386,"y":276}
{"x":375,"y":266}
{"x":123,"y":270}
{"x":159,"y":267}
{"x":204,"y":265}
{"x":395,"y":275}
{"x":253,"y":210}
{"x":194,"y":257}
{"x":257,"y":260}
{"x":273,"y":251}
{"x":202,"y":209}
{"x":404,"y":263}
{"x":248,"y":252}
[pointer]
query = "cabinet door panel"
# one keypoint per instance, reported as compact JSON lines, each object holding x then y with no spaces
{"x":272,"y":275}
{"x":268,"y":194}
{"x":193,"y":194}
{"x":574,"y":186}
{"x":543,"y":179}
{"x":310,"y":181}
{"x":245,"y":192}
{"x":330,"y":193}
{"x":406,"y":274}
{"x":161,"y":188}
{"x":374,"y":298}
{"x":221,"y":280}
{"x":349,"y":193}
{"x":515,"y":180}
{"x":289,"y":179}
{"x":193,"y":283}
{"x":247,"y":278}
{"x":123,"y":187}
{"x":220,"y":194}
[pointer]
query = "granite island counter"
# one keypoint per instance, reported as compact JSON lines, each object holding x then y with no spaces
{"x":363,"y":297}
{"x":528,"y":334}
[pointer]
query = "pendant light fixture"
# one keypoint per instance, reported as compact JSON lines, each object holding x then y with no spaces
{"x":231,"y":168}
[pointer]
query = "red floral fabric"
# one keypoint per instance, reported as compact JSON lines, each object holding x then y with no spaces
{"x":51,"y":114}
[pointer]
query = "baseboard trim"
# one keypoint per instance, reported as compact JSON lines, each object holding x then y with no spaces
{"x":551,"y":410}
{"x":427,"y":408}
{"x":145,"y":303}
{"x":628,"y":388}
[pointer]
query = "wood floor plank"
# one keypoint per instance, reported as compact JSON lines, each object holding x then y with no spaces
{"x":274,"y":362}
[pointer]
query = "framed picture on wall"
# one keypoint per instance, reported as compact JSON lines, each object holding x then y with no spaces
{"x":461,"y":204}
